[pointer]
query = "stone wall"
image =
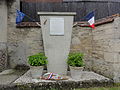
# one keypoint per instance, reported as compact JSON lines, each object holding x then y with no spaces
{"x":115,"y":46}
{"x":3,"y":35}
{"x":101,"y":48}
{"x":82,"y":42}
{"x":22,"y":42}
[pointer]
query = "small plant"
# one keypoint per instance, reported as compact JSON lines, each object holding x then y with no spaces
{"x":37,"y":60}
{"x":75,"y":59}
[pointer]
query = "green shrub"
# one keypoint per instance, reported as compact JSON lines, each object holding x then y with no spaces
{"x":37,"y":60}
{"x":75,"y":59}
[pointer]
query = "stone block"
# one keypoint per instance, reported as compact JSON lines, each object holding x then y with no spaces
{"x":76,"y":47}
{"x":104,"y":45}
{"x":17,"y":54}
{"x":116,"y":45}
{"x":113,"y":57}
{"x":112,"y":45}
{"x":116,"y":24}
{"x":83,"y":35}
{"x":116,"y":35}
{"x":75,"y":41}
{"x":23,"y":41}
{"x":116,"y":72}
{"x":104,"y":30}
{"x":98,"y":54}
{"x":105,"y":37}
{"x":104,"y":68}
{"x":103,"y":27}
{"x":88,"y":63}
{"x":87,"y":41}
{"x":98,"y":32}
{"x":3,"y":56}
{"x":3,"y":23}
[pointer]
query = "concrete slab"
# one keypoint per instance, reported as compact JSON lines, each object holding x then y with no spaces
{"x":9,"y":71}
{"x":83,"y":76}
{"x":9,"y":76}
{"x":87,"y":79}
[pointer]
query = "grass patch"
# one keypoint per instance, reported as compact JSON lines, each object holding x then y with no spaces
{"x":101,"y":88}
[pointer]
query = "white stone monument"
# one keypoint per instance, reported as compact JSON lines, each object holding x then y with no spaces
{"x":56,"y":31}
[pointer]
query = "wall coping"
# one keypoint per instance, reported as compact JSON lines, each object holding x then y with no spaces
{"x":102,"y":21}
{"x":57,"y":13}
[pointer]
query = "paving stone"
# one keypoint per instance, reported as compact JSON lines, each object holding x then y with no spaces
{"x":9,"y":76}
{"x":9,"y":71}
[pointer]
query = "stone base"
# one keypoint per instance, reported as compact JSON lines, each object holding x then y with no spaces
{"x":102,"y":67}
{"x":88,"y":79}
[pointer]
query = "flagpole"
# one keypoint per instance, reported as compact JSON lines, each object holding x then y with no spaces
{"x":92,"y":43}
{"x":30,"y":18}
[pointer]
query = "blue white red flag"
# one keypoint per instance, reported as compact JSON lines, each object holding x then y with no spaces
{"x":91,"y":19}
{"x":19,"y":16}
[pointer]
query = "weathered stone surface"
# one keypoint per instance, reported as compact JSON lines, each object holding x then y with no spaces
{"x":3,"y":35}
{"x":75,"y":41}
{"x":22,"y":42}
{"x":104,"y":29}
{"x":60,"y":85}
{"x":9,"y":76}
{"x":104,"y":68}
{"x":3,"y":56}
{"x":87,"y":79}
{"x":17,"y":54}
{"x":3,"y":21}
{"x":112,"y":57}
{"x":101,"y":48}
{"x":116,"y":72}
{"x":9,"y":71}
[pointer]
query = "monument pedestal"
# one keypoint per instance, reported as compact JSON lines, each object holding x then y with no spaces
{"x":56,"y":32}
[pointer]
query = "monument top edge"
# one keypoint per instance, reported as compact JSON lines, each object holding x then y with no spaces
{"x":57,"y":13}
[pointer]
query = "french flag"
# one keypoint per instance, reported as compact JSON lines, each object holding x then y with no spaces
{"x":91,"y":19}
